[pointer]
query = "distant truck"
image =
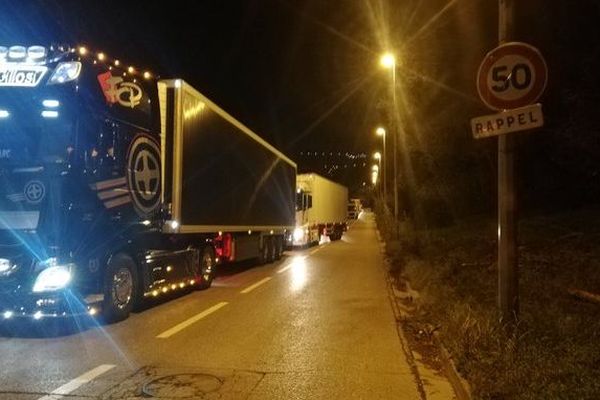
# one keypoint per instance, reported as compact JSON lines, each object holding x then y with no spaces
{"x":116,"y":186}
{"x":320,"y":209}
{"x":354,"y":208}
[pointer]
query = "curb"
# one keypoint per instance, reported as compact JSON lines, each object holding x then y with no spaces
{"x":403,"y":341}
{"x":459,"y":385}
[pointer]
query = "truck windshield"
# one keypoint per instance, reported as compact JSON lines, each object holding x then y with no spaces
{"x":27,"y":141}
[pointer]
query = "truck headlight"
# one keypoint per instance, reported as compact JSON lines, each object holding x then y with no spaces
{"x":298,"y":234}
{"x":65,"y":72}
{"x":52,"y":278}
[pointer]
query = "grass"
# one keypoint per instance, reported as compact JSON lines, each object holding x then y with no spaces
{"x":555,"y":351}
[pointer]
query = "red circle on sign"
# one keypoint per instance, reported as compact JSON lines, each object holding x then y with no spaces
{"x":534,"y":90}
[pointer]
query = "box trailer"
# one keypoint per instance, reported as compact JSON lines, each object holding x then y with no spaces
{"x":320,"y":209}
{"x":115,"y":186}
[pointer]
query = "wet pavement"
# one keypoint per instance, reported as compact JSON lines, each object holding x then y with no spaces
{"x":316,"y":325}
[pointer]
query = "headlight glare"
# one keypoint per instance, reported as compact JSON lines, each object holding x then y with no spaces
{"x":298,"y":234}
{"x":52,"y":278}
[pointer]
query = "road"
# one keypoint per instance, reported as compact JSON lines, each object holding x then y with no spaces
{"x":316,"y":325}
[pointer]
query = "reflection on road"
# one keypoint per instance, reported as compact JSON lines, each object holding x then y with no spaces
{"x":299,"y":273}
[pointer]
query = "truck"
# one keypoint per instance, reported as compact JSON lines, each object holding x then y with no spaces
{"x":116,"y":186}
{"x":354,"y":209}
{"x":320,"y":209}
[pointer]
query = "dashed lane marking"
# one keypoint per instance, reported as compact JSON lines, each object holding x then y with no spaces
{"x":76,"y":383}
{"x":179,"y":327}
{"x":257,"y":284}
{"x":282,"y":270}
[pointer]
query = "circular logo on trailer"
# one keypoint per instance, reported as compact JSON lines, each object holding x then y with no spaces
{"x":34,"y":191}
{"x":143,"y":174}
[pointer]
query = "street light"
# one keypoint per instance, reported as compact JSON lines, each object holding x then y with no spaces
{"x":374,"y":175}
{"x":377,"y":156}
{"x":388,"y":61}
{"x":380,"y":131}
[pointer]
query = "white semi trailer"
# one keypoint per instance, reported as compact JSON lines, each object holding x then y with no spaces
{"x":320,"y":209}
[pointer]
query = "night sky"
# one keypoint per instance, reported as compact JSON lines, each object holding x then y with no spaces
{"x":305,"y":76}
{"x":274,"y":65}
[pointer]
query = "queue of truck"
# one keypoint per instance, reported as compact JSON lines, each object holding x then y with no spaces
{"x":116,"y":186}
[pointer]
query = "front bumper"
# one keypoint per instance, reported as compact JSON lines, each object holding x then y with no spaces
{"x":37,"y":306}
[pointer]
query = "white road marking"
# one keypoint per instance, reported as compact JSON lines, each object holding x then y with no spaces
{"x":282,"y":270}
{"x":76,"y":383}
{"x":179,"y":327}
{"x":257,"y":284}
{"x":314,"y":251}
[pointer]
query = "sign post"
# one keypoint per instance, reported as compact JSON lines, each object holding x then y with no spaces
{"x":511,"y":79}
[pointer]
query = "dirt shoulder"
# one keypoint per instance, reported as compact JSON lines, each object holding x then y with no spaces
{"x":555,"y":352}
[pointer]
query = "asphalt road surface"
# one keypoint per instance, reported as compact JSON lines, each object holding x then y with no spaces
{"x":316,"y":325}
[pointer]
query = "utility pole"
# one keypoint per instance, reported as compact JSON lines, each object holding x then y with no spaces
{"x":508,"y":273}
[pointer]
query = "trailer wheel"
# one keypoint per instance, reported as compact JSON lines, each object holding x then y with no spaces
{"x":278,"y":247}
{"x":266,"y":251}
{"x":206,"y":268}
{"x":121,"y":288}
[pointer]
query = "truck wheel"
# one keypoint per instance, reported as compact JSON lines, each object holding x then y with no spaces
{"x":266,"y":252}
{"x":278,"y":247}
{"x":121,"y":288}
{"x":206,"y":268}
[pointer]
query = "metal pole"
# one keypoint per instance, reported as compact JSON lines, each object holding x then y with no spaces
{"x":395,"y":142}
{"x":508,"y":277}
{"x":384,"y":172}
{"x":380,"y":177}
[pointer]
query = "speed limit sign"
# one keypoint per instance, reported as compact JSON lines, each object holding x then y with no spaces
{"x":512,"y":75}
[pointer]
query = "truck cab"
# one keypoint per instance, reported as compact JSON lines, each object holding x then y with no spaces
{"x":68,"y":123}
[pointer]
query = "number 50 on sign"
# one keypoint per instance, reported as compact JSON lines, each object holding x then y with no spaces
{"x":512,"y":75}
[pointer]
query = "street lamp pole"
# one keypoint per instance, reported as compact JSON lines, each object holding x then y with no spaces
{"x":389,"y":61}
{"x":381,"y":132}
{"x":395,"y":141}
